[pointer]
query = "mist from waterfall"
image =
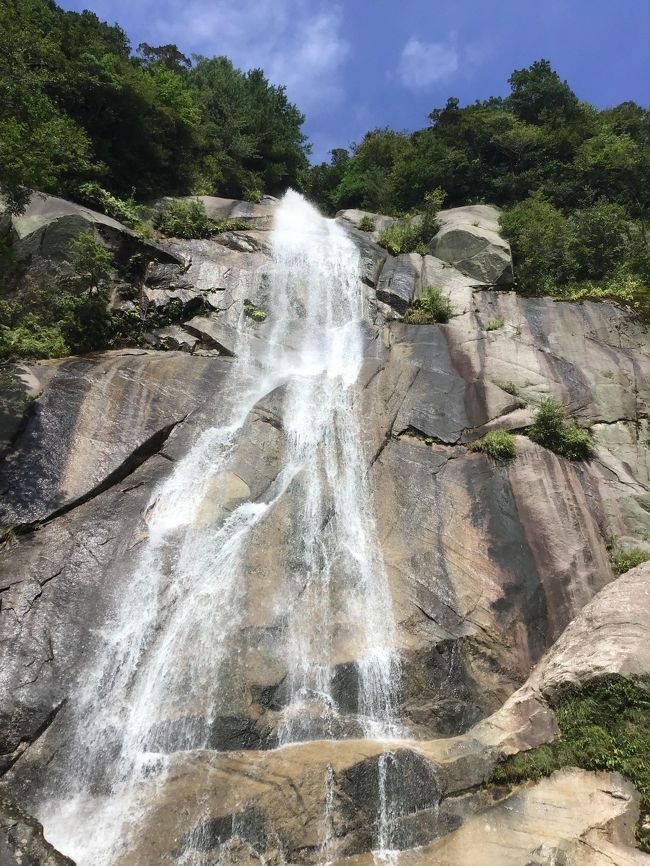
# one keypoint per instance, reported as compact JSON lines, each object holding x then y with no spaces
{"x":160,"y":671}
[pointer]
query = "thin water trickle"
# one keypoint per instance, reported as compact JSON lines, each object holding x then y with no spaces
{"x":159,"y":674}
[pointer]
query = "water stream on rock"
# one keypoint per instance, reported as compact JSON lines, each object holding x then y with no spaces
{"x":159,"y":683}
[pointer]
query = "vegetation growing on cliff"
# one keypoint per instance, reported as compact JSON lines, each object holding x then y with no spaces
{"x":412,"y":233}
{"x":574,"y":182}
{"x":552,"y":430}
{"x":71,"y":315}
{"x":604,"y":725}
{"x":430,"y":308}
{"x":497,"y":444}
{"x":189,"y":219}
{"x":625,"y":558}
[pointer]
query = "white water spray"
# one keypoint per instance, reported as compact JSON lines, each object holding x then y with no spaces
{"x":157,"y":685}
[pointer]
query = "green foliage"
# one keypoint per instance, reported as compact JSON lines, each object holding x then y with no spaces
{"x":253,"y":312}
{"x":92,"y":264}
{"x":498,"y":444}
{"x":402,"y":236}
{"x":230,"y":225}
{"x":539,"y":236}
{"x":623,"y":559}
{"x":49,"y":322}
{"x":603,"y":726}
{"x":77,"y":107}
{"x":185,"y":219}
{"x":552,"y":430}
{"x":495,"y":324}
{"x":412,"y":233}
{"x":253,"y":195}
{"x":366,"y":224}
{"x":431,"y":307}
{"x":249,"y":134}
{"x":594,"y":252}
{"x":188,"y":219}
{"x":124,"y":210}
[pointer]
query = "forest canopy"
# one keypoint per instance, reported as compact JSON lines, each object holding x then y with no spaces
{"x":574,"y":181}
{"x":78,"y":105}
{"x":86,"y":117}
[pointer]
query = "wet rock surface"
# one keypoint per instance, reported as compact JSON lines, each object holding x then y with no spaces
{"x":500,"y":577}
{"x":22,"y":842}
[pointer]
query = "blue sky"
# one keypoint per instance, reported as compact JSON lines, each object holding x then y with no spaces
{"x":359,"y":64}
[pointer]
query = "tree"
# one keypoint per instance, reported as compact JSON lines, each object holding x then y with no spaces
{"x":539,"y":235}
{"x":40,"y":146}
{"x":250,"y":136}
{"x":538,"y":95}
{"x":168,"y":55}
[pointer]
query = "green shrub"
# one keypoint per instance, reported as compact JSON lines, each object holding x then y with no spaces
{"x":253,"y":195}
{"x":185,"y":219}
{"x":91,"y":262}
{"x":413,"y":233}
{"x":366,"y":224}
{"x":498,"y":444}
{"x":230,"y":225}
{"x":431,"y":307}
{"x":539,"y":236}
{"x":495,"y":324}
{"x":623,"y":559}
{"x":32,"y":340}
{"x":124,"y":210}
{"x":603,"y":726}
{"x":52,"y":321}
{"x":551,"y":430}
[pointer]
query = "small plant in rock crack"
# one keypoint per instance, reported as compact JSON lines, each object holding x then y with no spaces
{"x":7,"y":535}
{"x":430,"y":308}
{"x":509,"y":388}
{"x":253,"y":312}
{"x":552,"y":430}
{"x":495,"y":324}
{"x":625,"y":558}
{"x":366,"y":224}
{"x":497,"y":444}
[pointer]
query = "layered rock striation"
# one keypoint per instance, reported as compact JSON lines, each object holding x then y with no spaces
{"x":501,"y":581}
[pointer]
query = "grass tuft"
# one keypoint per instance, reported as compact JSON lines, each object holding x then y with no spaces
{"x":498,"y":444}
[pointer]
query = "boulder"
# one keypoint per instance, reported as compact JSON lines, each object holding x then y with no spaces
{"x":355,"y":217}
{"x":469,"y":240}
{"x":400,"y":281}
{"x":552,"y":822}
{"x":176,"y":338}
{"x":610,"y":635}
{"x":42,"y":233}
{"x":455,"y":285}
{"x":214,"y":332}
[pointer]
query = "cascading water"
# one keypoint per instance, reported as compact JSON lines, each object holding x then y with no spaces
{"x":157,"y":685}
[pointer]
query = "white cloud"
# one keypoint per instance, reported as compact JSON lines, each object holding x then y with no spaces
{"x":425,"y":63}
{"x":298,"y":43}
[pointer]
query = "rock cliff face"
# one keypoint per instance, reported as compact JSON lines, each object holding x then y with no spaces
{"x":501,"y":583}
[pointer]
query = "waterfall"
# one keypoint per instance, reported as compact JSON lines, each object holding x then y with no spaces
{"x":157,"y":684}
